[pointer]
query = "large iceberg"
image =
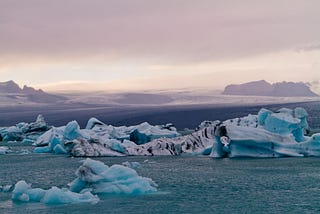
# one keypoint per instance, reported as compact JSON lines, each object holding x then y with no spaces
{"x":99,"y":139}
{"x":268,"y":134}
{"x":93,"y":177}
{"x":117,"y":179}
{"x":25,"y":132}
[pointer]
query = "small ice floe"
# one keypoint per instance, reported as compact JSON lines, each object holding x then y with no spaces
{"x":132,"y":165}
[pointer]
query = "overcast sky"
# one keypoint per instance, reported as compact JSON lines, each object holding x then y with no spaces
{"x":158,"y":44}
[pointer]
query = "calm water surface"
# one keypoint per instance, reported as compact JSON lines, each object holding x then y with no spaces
{"x":186,"y":185}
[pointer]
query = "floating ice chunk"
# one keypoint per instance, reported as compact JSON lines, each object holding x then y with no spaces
{"x":24,"y":193}
{"x":132,"y":165}
{"x":23,"y":130}
{"x":92,"y":122}
{"x":116,"y":179}
{"x":12,"y":133}
{"x":65,"y":196}
{"x":19,"y":192}
{"x":27,"y":141}
{"x":44,"y":149}
{"x":39,"y":125}
{"x":6,"y":188}
{"x":4,"y":150}
{"x":24,"y":152}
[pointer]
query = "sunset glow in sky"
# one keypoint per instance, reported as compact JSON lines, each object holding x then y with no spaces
{"x":151,"y":44}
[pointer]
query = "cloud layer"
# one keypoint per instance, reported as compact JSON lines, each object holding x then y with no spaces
{"x":113,"y":35}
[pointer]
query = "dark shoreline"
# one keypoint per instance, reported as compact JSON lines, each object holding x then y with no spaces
{"x":183,"y":116}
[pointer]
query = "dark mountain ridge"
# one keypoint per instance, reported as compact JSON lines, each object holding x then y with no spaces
{"x":13,"y":90}
{"x":263,"y":88}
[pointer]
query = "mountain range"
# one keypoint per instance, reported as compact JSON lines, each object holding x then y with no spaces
{"x":12,"y":90}
{"x":263,"y":88}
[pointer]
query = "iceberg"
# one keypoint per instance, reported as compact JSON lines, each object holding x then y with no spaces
{"x":138,"y":134}
{"x":93,"y":177}
{"x":6,"y":188}
{"x":116,"y":179}
{"x":4,"y":150}
{"x":132,"y":165}
{"x":26,"y":132}
{"x":24,"y":193}
{"x":99,"y":139}
{"x":268,"y":134}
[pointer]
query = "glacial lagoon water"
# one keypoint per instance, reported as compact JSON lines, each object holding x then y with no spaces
{"x":186,"y":185}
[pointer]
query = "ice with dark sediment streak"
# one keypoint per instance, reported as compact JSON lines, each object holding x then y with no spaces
{"x":266,"y":134}
{"x":99,"y":139}
{"x":25,"y":132}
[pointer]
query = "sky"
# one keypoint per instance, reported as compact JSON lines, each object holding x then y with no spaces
{"x":154,"y":45}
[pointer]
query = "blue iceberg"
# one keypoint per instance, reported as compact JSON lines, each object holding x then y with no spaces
{"x":24,"y":193}
{"x":268,"y":134}
{"x":116,"y":179}
{"x":26,"y":132}
{"x":93,"y":177}
{"x":99,"y":139}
